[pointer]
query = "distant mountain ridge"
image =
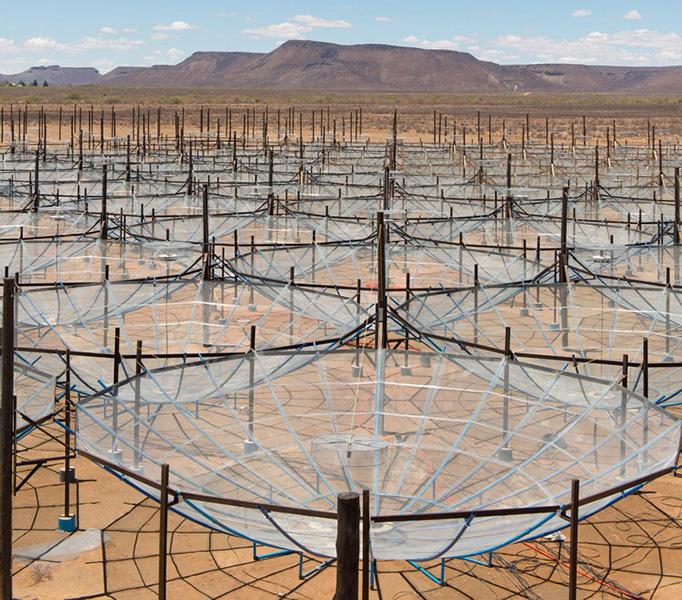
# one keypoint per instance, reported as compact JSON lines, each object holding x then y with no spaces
{"x":55,"y":75}
{"x":309,"y":65}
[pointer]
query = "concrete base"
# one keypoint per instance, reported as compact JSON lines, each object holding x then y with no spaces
{"x":67,"y":523}
{"x":116,"y":455}
{"x":525,"y":312}
{"x":506,"y":454}
{"x":425,"y":361}
{"x":250,"y":447}
{"x":406,"y":370}
{"x":356,"y":370}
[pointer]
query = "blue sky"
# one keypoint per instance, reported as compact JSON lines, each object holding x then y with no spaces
{"x":127,"y":32}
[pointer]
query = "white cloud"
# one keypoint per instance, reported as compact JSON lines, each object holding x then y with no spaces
{"x":175,"y":53}
{"x":175,"y":26}
{"x":633,"y":15}
{"x":311,"y":21}
{"x":497,"y":56}
{"x":104,"y":65}
{"x":386,"y":20}
{"x":284,"y":30}
{"x":172,"y":54}
{"x":635,"y":47}
{"x":43,"y":43}
{"x":163,"y":36}
{"x":233,"y":15}
{"x":454,"y":43}
{"x":582,"y":12}
{"x":46,"y":44}
{"x":112,"y":31}
{"x":303,"y":25}
{"x":8,"y":46}
{"x":15,"y":65}
{"x":98,"y":43}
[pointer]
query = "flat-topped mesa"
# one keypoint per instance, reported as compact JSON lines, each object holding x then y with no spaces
{"x":55,"y":75}
{"x":312,"y":65}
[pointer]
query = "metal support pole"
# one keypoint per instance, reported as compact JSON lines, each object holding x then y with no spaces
{"x":381,"y":284}
{"x":645,"y":393}
{"x":366,"y":524}
{"x":387,"y":187}
{"x":677,"y":205}
{"x":128,"y":158}
{"x":573,"y":564}
{"x":67,"y":522}
{"x":271,"y":169}
{"x":394,"y":145}
{"x":6,"y":437}
{"x":103,"y":233}
{"x":36,"y":183}
{"x":563,"y":257}
{"x":115,"y":380}
{"x":347,"y":546}
{"x":190,"y":173}
{"x":595,"y":191}
{"x":509,"y":200}
{"x":506,"y":453}
{"x":163,"y":531}
{"x":206,"y":275}
{"x":252,"y":375}
{"x":623,"y":412}
{"x":137,"y":455}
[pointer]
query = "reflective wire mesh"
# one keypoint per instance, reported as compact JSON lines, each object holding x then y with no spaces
{"x":442,"y":324}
